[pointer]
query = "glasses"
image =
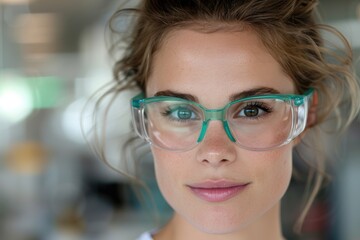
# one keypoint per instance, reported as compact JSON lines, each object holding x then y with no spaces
{"x":256,"y":123}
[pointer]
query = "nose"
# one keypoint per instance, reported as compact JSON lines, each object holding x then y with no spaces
{"x":216,"y":149}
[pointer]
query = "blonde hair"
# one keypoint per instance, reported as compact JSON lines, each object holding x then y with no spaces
{"x":289,"y":31}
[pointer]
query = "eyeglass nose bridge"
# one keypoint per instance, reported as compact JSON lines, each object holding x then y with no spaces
{"x":215,"y":115}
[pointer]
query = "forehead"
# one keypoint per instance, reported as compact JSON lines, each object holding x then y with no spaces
{"x":216,"y":64}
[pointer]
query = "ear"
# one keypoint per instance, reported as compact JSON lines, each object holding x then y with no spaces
{"x":312,"y":114}
{"x":311,"y":118}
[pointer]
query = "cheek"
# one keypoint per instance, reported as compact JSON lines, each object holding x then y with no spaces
{"x":273,"y":173}
{"x":280,"y":169}
{"x":170,"y":170}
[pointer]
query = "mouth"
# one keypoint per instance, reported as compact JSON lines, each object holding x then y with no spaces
{"x":217,"y":191}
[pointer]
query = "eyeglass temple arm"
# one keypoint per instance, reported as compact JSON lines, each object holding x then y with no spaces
{"x":306,"y":96}
{"x":135,"y":102}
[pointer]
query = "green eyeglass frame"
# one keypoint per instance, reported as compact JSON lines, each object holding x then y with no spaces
{"x":297,"y":102}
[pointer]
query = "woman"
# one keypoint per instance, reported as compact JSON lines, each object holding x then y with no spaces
{"x":228,"y":89}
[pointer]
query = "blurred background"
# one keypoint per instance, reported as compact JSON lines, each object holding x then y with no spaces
{"x":52,"y":59}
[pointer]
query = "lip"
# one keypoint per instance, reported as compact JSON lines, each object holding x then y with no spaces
{"x":217,"y":191}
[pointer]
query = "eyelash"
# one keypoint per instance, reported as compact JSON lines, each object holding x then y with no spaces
{"x":168,"y":111}
{"x":259,"y":105}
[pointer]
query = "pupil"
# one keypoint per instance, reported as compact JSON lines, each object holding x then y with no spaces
{"x":184,"y":113}
{"x":251,"y":111}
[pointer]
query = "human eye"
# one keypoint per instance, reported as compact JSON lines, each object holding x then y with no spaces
{"x":181,"y":113}
{"x":253,"y":110}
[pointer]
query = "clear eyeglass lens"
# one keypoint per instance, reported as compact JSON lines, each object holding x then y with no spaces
{"x":173,"y":125}
{"x":255,"y":124}
{"x":260,"y":123}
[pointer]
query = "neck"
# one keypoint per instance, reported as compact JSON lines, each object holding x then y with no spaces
{"x":268,"y":227}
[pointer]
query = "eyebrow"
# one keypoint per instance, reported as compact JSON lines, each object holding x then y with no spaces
{"x":247,"y":93}
{"x":254,"y":92}
{"x":169,"y":93}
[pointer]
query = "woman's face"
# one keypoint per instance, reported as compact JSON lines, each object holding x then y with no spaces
{"x":218,"y":187}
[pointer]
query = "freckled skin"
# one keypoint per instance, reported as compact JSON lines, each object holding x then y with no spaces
{"x":212,"y":67}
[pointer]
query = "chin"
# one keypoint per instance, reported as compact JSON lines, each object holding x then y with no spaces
{"x":219,"y":225}
{"x":219,"y":229}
